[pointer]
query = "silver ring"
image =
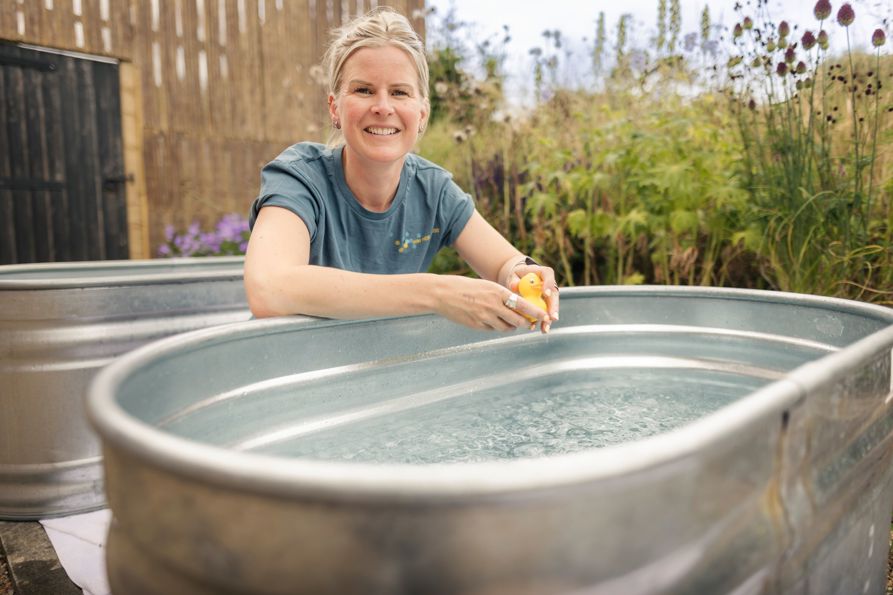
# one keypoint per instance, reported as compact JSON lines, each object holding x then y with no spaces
{"x":511,"y":301}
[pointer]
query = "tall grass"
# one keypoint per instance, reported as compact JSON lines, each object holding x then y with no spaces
{"x":811,"y":125}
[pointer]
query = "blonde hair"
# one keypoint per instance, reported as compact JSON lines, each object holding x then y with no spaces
{"x":379,"y":27}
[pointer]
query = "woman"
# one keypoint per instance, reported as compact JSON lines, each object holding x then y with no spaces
{"x":347,"y":231}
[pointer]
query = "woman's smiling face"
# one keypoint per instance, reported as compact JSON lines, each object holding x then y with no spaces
{"x":379,"y":105}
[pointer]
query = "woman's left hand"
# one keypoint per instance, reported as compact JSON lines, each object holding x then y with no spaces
{"x":550,"y":286}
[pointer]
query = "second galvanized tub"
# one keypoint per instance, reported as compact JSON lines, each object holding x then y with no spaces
{"x":61,"y":322}
{"x":659,"y":440}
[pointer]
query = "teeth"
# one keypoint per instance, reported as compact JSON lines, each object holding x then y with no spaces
{"x":382,"y":131}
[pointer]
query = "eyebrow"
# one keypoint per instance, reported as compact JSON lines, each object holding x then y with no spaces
{"x":362,"y":82}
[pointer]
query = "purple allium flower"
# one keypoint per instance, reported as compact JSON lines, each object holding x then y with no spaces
{"x":738,"y":31}
{"x":784,"y":29}
{"x":790,"y":56}
{"x":822,"y":10}
{"x":747,"y":23}
{"x":801,"y":67}
{"x":878,"y":38}
{"x":781,"y":69}
{"x":846,"y":15}
{"x":823,"y":39}
{"x":808,"y":40}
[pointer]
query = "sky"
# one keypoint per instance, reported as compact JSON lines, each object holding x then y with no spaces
{"x":576,"y":19}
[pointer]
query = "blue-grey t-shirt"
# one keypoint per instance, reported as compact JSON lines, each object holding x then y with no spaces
{"x":429,"y":211}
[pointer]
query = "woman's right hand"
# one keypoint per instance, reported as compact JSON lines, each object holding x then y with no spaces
{"x":481,"y":304}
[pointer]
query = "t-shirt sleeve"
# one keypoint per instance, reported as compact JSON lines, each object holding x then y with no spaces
{"x":456,"y":208}
{"x":282,"y":186}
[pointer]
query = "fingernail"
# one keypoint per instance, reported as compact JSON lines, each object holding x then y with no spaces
{"x":555,"y":316}
{"x":546,"y":328}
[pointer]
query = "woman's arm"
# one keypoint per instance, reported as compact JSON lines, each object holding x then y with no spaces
{"x":494,"y":258}
{"x":279,"y":281}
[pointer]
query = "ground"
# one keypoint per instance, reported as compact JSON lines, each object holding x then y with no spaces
{"x":5,"y":582}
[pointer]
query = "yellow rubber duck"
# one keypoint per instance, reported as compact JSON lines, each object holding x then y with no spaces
{"x":531,"y":289}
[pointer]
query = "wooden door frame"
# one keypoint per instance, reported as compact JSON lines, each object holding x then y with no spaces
{"x":134,"y":160}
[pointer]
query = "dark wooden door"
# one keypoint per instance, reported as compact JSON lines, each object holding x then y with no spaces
{"x":62,"y":194}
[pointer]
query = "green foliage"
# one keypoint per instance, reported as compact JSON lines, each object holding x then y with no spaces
{"x":657,"y":174}
{"x":609,"y":194}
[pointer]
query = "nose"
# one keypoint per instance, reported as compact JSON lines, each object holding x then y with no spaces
{"x":382,"y":105}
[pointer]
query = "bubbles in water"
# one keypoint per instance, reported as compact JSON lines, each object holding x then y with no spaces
{"x":548,"y":416}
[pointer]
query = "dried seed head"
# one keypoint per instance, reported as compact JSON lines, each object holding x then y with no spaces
{"x":808,"y":40}
{"x":846,"y":15}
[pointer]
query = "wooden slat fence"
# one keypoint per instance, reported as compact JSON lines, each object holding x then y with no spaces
{"x":224,"y":85}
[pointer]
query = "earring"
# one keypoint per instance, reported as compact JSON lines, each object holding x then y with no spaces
{"x":336,"y":124}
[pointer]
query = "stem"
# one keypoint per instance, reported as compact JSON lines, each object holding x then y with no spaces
{"x":857,"y":174}
{"x":874,"y":132}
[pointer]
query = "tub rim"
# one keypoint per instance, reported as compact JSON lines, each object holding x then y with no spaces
{"x":226,"y":269}
{"x":282,"y":477}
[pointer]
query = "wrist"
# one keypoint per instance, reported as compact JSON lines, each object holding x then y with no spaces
{"x":516,"y":262}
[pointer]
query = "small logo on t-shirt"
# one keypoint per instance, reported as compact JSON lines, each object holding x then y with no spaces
{"x":411,"y":243}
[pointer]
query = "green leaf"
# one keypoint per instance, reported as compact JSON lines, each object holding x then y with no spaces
{"x":577,"y":224}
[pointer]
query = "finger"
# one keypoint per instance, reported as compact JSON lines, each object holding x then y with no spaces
{"x":552,"y":303}
{"x":521,"y":270}
{"x":512,"y":317}
{"x":550,"y":285}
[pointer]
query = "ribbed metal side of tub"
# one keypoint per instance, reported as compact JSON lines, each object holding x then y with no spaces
{"x":60,"y":323}
{"x":411,"y":455}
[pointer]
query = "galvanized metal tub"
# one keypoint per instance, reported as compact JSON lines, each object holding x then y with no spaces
{"x":60,"y":323}
{"x":411,"y":455}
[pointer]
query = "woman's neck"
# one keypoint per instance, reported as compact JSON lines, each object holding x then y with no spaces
{"x":373,"y":184}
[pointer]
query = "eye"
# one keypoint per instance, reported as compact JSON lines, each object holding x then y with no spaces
{"x":362,"y":90}
{"x":400,"y":92}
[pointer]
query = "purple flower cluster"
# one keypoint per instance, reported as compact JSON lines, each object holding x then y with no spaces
{"x":229,"y":237}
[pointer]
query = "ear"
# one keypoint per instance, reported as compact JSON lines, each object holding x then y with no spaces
{"x":333,"y":108}
{"x":426,"y":110}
